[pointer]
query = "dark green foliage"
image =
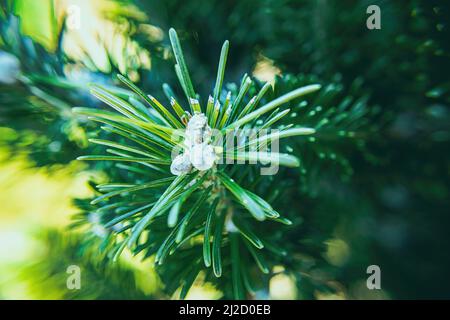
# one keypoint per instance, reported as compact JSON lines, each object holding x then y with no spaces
{"x":137,"y":207}
{"x":48,"y":276}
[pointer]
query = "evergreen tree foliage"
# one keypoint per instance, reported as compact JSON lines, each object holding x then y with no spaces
{"x":213,"y":215}
{"x":364,"y":166}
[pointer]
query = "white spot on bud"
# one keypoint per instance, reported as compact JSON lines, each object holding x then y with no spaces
{"x":198,"y":121}
{"x":202,"y":156}
{"x":217,"y":105}
{"x":181,"y":164}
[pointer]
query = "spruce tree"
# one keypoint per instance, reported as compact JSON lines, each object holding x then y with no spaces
{"x":226,"y":218}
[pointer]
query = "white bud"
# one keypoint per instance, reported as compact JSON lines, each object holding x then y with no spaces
{"x":197,"y":130}
{"x":202,"y":156}
{"x":198,"y":121}
{"x":197,"y":150}
{"x":181,"y":164}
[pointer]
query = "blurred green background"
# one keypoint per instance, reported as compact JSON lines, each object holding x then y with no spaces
{"x":393,"y":211}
